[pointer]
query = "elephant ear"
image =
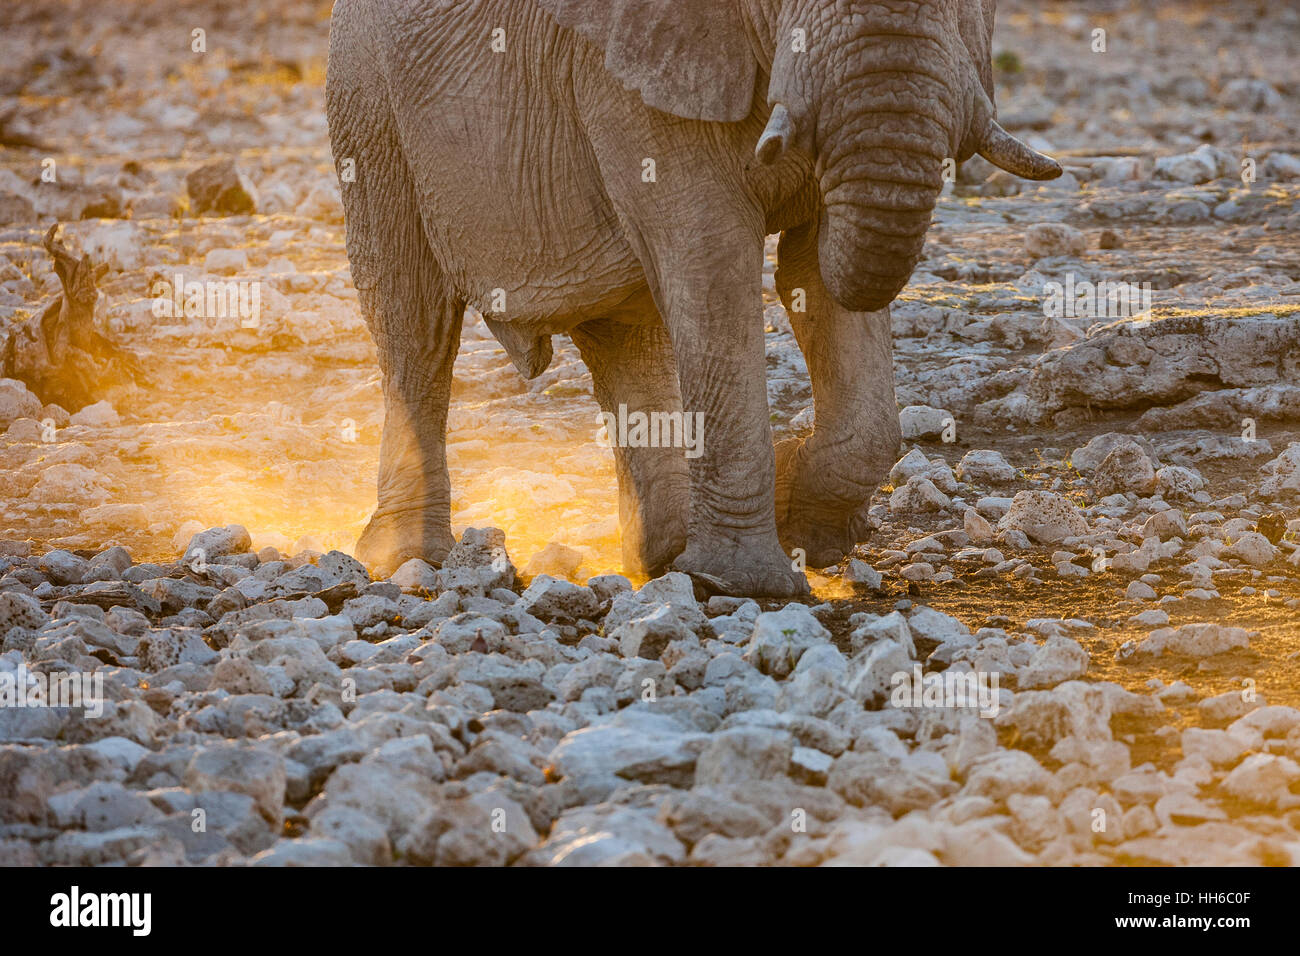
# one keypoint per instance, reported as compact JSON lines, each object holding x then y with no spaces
{"x":691,"y":58}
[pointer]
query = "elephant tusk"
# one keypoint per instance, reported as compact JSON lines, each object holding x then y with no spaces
{"x":1006,"y":152}
{"x":776,"y":137}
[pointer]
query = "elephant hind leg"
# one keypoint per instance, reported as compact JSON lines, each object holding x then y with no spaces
{"x":414,"y":317}
{"x":632,"y":366}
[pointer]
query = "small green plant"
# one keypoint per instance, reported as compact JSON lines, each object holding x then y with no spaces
{"x":1007,"y":62}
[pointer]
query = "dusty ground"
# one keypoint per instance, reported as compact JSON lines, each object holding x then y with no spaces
{"x":276,"y":428}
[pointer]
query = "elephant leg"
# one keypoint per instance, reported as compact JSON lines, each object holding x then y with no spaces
{"x":632,"y":366}
{"x":710,"y":296}
{"x":824,"y":480}
{"x":414,"y":318}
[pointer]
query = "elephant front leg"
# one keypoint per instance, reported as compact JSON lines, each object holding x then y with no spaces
{"x":635,"y":382}
{"x":823,"y":481}
{"x":714,"y":313}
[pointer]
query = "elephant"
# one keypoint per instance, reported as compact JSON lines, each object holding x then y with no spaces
{"x":610,"y":170}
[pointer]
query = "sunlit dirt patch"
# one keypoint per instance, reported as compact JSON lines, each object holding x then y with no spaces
{"x":1008,"y":602}
{"x":303,"y":479}
{"x":277,"y":427}
{"x":1269,"y":667}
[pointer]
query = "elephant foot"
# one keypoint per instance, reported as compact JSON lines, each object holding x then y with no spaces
{"x":746,"y":569}
{"x":824,"y":540}
{"x":825,"y":530}
{"x":652,"y":558}
{"x":651,"y":544}
{"x":392,"y":538}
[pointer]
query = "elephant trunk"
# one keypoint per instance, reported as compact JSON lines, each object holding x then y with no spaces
{"x":881,"y":165}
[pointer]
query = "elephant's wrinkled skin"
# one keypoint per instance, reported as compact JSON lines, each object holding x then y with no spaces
{"x":609,"y":169}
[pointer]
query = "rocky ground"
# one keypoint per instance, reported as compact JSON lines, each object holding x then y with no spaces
{"x":1101,"y":513}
